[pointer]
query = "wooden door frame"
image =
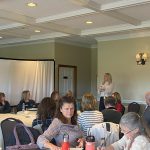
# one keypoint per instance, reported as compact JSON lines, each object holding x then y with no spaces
{"x":75,"y":77}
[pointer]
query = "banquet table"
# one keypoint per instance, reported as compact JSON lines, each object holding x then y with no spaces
{"x":26,"y":117}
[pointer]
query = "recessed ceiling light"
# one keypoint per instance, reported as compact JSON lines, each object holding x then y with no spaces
{"x":1,"y":37}
{"x":37,"y":31}
{"x":31,"y":4}
{"x":89,"y":22}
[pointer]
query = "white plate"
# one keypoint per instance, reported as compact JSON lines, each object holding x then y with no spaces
{"x":76,"y":148}
{"x":32,"y":109}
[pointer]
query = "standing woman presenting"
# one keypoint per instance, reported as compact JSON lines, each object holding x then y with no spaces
{"x":105,"y":89}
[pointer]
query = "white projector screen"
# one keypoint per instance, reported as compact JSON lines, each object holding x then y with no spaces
{"x":37,"y":76}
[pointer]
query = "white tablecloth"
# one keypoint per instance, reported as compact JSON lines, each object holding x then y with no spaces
{"x":26,"y":117}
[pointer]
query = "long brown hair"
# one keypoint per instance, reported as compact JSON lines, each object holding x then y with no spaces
{"x":88,"y":102}
{"x":46,"y":109}
{"x":55,"y":96}
{"x":59,"y":115}
{"x":2,"y":94}
{"x":117,"y":97}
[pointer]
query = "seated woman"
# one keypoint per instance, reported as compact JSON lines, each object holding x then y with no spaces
{"x":119,"y":106}
{"x":136,"y":134}
{"x":94,"y":116}
{"x":55,"y":96}
{"x":69,"y":93}
{"x":45,"y":113}
{"x":65,"y":122}
{"x":29,"y":103}
{"x":110,"y":113}
{"x":4,"y":105}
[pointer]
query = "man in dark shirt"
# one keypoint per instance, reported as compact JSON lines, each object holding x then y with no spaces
{"x":146,"y":114}
{"x":110,"y":113}
{"x":4,"y":105}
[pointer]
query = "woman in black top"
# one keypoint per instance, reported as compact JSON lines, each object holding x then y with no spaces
{"x":26,"y":101}
{"x":45,"y":113}
{"x":4,"y":105}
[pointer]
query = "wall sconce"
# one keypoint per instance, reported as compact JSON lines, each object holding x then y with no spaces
{"x":141,"y":58}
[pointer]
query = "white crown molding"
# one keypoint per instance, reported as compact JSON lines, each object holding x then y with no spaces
{"x":94,"y":46}
{"x":40,"y":41}
{"x":47,"y":38}
{"x":127,"y":101}
{"x":11,"y":16}
{"x":33,"y":38}
{"x":59,"y":28}
{"x":88,"y":4}
{"x":91,"y":4}
{"x":4,"y":14}
{"x":28,"y":43}
{"x":123,"y":4}
{"x":123,"y":17}
{"x":84,"y":11}
{"x":103,"y":31}
{"x":105,"y":8}
{"x":68,"y":42}
{"x":123,"y":36}
{"x":115,"y":29}
{"x":11,"y":33}
{"x":10,"y":26}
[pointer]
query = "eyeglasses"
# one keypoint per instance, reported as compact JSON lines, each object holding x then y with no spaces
{"x":124,"y":132}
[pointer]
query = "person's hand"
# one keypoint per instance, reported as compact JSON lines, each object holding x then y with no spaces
{"x":102,"y":88}
{"x":81,"y":143}
{"x":51,"y":146}
{"x":54,"y":147}
{"x":101,"y":148}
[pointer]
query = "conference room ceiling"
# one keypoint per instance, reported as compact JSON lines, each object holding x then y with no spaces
{"x":66,"y":19}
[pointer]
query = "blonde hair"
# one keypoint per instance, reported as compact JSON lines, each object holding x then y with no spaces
{"x":88,"y":102}
{"x":24,"y":94}
{"x":109,"y":77}
{"x":69,"y":93}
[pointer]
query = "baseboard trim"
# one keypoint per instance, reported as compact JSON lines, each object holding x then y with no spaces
{"x":126,"y":101}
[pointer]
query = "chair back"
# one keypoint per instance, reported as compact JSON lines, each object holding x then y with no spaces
{"x":7,"y":127}
{"x":134,"y":107}
{"x":24,"y":137}
{"x":107,"y":130}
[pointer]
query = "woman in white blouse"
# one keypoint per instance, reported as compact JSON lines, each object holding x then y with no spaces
{"x":105,"y":89}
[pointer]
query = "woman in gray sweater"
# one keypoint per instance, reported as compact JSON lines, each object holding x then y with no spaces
{"x":65,"y":121}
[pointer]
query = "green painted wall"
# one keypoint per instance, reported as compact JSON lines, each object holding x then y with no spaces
{"x":94,"y":71}
{"x":118,"y":58}
{"x":76,"y":56}
{"x":33,"y":51}
{"x":83,"y":58}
